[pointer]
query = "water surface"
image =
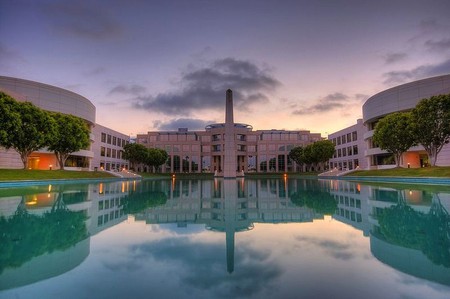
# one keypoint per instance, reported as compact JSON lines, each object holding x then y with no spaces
{"x":267,"y":238}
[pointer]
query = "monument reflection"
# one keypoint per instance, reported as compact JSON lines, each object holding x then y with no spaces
{"x":45,"y":230}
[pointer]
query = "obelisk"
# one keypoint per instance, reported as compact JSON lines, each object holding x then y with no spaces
{"x":230,"y":163}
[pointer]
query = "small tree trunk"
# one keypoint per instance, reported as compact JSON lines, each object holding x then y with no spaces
{"x":397,"y":159}
{"x":24,"y":158}
{"x":432,"y":155}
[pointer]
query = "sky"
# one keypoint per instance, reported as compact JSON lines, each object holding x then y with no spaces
{"x":161,"y":65}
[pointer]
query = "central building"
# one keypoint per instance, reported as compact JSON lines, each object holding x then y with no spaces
{"x":212,"y":151}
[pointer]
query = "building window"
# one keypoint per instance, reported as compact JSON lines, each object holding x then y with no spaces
{"x":349,"y":150}
{"x":339,"y":140}
{"x":349,"y":137}
{"x":109,"y":139}
{"x":339,"y":153}
{"x":102,"y":151}
{"x":114,"y":140}
{"x":355,"y":150}
{"x":344,"y":152}
{"x":114,"y":153}
{"x":108,"y":152}
{"x":103,"y":137}
{"x":354,"y":136}
{"x":344,"y":139}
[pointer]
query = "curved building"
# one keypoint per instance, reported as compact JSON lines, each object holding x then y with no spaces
{"x":52,"y":98}
{"x":397,"y":99}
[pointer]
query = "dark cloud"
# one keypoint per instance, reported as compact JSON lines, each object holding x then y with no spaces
{"x":205,"y":87}
{"x":128,"y":89}
{"x":338,"y":250}
{"x":361,"y":97}
{"x":190,"y":123}
{"x":391,"y":58}
{"x":9,"y":58}
{"x":328,"y":103}
{"x":438,"y":46}
{"x":96,"y":71}
{"x":424,"y":71}
{"x":82,"y":19}
{"x":203,"y":266}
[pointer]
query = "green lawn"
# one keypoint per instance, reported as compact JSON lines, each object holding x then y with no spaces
{"x":22,"y":175}
{"x":440,"y":172}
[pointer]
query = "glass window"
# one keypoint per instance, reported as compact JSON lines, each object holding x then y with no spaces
{"x":344,"y":140}
{"x":114,"y":140}
{"x":103,"y":137}
{"x":354,"y":136}
{"x":102,"y":151}
{"x":109,"y":139}
{"x":108,"y":152}
{"x":349,"y":137}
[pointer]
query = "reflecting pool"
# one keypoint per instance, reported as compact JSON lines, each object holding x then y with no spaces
{"x":244,"y":238}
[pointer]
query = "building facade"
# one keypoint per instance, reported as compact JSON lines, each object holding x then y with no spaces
{"x":398,"y":99}
{"x":56,"y":99}
{"x":109,"y":149}
{"x":349,"y":147}
{"x":207,"y":151}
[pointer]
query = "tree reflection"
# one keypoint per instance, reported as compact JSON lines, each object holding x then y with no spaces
{"x":429,"y":232}
{"x":24,"y":236}
{"x":312,"y":195}
{"x":147,"y":194}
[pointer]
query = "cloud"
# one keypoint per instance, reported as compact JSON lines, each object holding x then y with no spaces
{"x":128,"y":89}
{"x":82,"y":19}
{"x":190,"y":123}
{"x":95,"y":71}
{"x":9,"y":58}
{"x":438,"y":46}
{"x":203,"y":88}
{"x":337,"y":250}
{"x":328,"y":103}
{"x":203,"y":267}
{"x":391,"y":58}
{"x":423,"y":71}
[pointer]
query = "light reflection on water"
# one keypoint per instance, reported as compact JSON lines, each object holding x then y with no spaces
{"x":265,"y":238}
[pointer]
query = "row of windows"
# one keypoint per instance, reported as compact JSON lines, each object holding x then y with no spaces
{"x":108,"y":203}
{"x":112,"y":166}
{"x":103,"y":219}
{"x":343,"y":165}
{"x":346,"y":151}
{"x":350,"y":215}
{"x":349,"y":137}
{"x":110,"y":153}
{"x":218,"y":147}
{"x":109,"y":139}
{"x":349,"y":201}
{"x":274,"y":136}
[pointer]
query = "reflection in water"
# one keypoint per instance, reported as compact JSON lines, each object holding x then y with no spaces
{"x":408,"y":229}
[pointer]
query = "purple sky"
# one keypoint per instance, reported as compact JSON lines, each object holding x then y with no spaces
{"x":158,"y":65}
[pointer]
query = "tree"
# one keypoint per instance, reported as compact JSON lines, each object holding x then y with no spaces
{"x":135,"y":153}
{"x":394,"y":133}
{"x":323,"y":150}
{"x":9,"y":118}
{"x":34,"y":129}
{"x":71,"y":135}
{"x":431,"y":118}
{"x":156,"y":157}
{"x":296,"y":154}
